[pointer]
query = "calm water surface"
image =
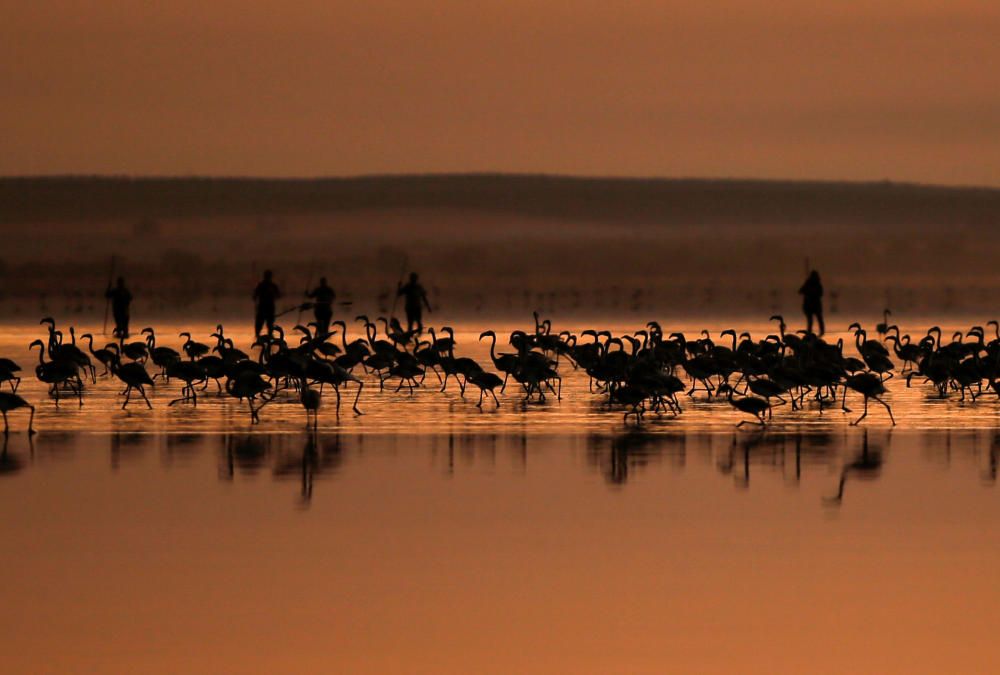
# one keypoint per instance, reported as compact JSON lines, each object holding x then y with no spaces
{"x":427,"y":537}
{"x":500,"y":553}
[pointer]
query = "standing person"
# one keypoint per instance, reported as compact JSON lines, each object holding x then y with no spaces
{"x":415,"y":299}
{"x":812,"y":301}
{"x":265,"y":295}
{"x":120,"y":299}
{"x":322,"y":297}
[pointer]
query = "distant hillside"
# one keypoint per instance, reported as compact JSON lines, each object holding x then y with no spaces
{"x":647,"y":201}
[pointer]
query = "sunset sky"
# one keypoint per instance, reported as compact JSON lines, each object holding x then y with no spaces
{"x":906,"y":90}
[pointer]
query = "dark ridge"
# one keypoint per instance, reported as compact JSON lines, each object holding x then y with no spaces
{"x":615,"y":200}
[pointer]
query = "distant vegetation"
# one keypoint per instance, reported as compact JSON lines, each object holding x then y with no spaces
{"x":634,"y":201}
{"x":496,"y":245}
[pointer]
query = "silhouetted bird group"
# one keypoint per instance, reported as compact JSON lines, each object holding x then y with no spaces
{"x":641,"y":373}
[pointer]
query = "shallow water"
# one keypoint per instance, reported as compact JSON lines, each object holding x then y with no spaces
{"x":696,"y":552}
{"x":429,"y":537}
{"x":427,"y":410}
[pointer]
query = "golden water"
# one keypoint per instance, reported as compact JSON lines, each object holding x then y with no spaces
{"x":429,"y":537}
{"x":428,"y":410}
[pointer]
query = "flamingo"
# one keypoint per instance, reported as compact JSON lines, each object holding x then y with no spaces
{"x":871,"y":387}
{"x":193,"y":349}
{"x":135,"y":377}
{"x":57,"y":374}
{"x":162,"y":357}
{"x":9,"y":373}
{"x":188,"y":372}
{"x":311,"y":401}
{"x":750,"y":405}
{"x":487,"y":382}
{"x":11,"y":401}
{"x":104,"y":356}
{"x":505,"y":363}
{"x":326,"y":372}
{"x":250,"y":386}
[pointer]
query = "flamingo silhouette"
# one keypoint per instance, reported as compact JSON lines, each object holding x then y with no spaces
{"x":10,"y":402}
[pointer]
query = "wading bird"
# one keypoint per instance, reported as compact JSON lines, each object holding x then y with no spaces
{"x":9,"y":402}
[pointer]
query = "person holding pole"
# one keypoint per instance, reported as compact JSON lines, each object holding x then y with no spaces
{"x":322,"y":297}
{"x":121,"y":299}
{"x":265,"y":295}
{"x":414,"y":300}
{"x":812,"y":301}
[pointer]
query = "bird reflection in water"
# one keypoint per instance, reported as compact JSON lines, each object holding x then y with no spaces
{"x":246,"y":452}
{"x":618,"y":455}
{"x":989,"y":474}
{"x":181,"y":448}
{"x":301,"y":466}
{"x":127,"y":446}
{"x":815,"y":448}
{"x":618,"y":458}
{"x":320,"y":455}
{"x":457,"y":450}
{"x":305,"y":465}
{"x":308,"y":469}
{"x":867,"y":465}
{"x":11,"y":463}
{"x":775,"y":452}
{"x":768,"y":449}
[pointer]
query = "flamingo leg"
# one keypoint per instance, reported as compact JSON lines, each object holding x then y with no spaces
{"x":888,"y":409}
{"x":361,"y":385}
{"x":864,"y":415}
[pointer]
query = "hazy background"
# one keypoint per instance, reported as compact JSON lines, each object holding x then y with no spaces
{"x":887,"y":91}
{"x":493,"y":246}
{"x":897,"y":89}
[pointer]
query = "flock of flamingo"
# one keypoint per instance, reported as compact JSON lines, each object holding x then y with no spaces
{"x":640,"y":373}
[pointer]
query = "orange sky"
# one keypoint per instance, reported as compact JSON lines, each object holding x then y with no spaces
{"x":907,"y":90}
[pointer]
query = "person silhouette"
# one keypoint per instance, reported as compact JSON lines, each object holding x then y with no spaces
{"x":322,"y":297}
{"x":812,"y":301}
{"x":265,"y":294}
{"x":120,"y":299}
{"x":414,"y":300}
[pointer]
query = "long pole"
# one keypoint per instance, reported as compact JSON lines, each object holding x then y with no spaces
{"x":289,"y":310}
{"x":399,"y":281}
{"x":107,"y":300}
{"x":253,"y":282}
{"x":309,"y":282}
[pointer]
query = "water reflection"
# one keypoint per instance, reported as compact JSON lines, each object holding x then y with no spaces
{"x":848,"y":457}
{"x":866,"y":465}
{"x":247,"y":453}
{"x":456,"y":452}
{"x":617,"y":456}
{"x":181,"y":449}
{"x":375,"y":536}
{"x":11,"y":463}
{"x":128,"y":446}
{"x":315,"y":457}
{"x":58,"y":446}
{"x":989,"y":473}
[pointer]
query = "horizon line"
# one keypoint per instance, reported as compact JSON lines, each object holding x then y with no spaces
{"x":494,"y":174}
